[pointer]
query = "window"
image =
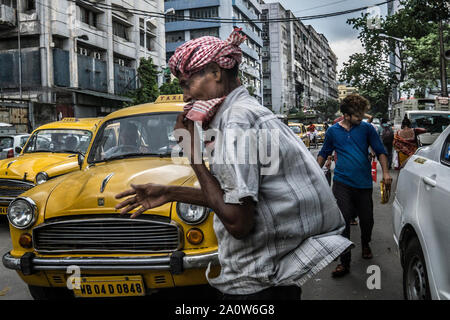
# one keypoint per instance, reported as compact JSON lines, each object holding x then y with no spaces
{"x":178,"y":16}
{"x":9,"y":3}
{"x":445,"y":155}
{"x":120,"y":30}
{"x":204,"y":32}
{"x":204,"y":13}
{"x":88,"y":17}
{"x":175,"y":36}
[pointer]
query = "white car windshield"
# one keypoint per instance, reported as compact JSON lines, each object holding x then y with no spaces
{"x":433,"y":122}
{"x":59,"y":141}
{"x":143,"y":135}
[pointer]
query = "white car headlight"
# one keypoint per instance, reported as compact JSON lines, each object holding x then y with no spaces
{"x":41,"y":177}
{"x":192,"y":214}
{"x":22,"y":213}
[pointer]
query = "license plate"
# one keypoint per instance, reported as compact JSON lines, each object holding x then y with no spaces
{"x":126,"y":286}
{"x":3,"y":210}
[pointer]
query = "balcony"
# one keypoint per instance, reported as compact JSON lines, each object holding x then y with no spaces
{"x":192,"y":4}
{"x":239,"y":4}
{"x":31,"y":69}
{"x":92,"y":74}
{"x":172,"y":46}
{"x":124,"y":79}
{"x":190,"y":25}
{"x":7,"y":17}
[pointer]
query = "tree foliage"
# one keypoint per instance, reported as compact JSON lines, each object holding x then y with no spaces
{"x":148,"y":91}
{"x":411,"y":34}
{"x":172,"y":87}
{"x":327,"y":109}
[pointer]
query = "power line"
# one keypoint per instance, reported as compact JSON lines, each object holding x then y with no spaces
{"x":227,"y":20}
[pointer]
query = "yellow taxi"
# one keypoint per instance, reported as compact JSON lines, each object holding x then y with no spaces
{"x":320,"y":132}
{"x":300,"y":130}
{"x":68,"y":228}
{"x":50,"y":151}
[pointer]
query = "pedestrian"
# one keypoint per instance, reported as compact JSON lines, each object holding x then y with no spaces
{"x":352,"y":183}
{"x":405,"y":141}
{"x":325,"y":126}
{"x":387,"y":137}
{"x":274,"y":231}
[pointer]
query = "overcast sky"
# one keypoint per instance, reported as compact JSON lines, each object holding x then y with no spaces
{"x":341,"y":37}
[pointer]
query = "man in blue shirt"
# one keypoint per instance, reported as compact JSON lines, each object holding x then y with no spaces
{"x":352,"y":183}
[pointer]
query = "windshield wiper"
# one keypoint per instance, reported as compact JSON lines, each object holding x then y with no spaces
{"x":138,"y":154}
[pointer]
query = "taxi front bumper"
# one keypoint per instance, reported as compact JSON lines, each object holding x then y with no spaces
{"x":176,"y":263}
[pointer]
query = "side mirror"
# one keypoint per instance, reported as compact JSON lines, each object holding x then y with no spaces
{"x":80,"y":158}
{"x":18,"y":149}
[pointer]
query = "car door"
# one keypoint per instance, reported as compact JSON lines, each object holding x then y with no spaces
{"x":434,"y":215}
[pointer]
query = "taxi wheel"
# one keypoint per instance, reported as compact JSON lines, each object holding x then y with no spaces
{"x":48,"y":293}
{"x":415,"y":277}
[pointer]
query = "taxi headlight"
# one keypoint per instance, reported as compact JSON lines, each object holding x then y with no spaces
{"x":192,"y":214}
{"x":41,"y":177}
{"x":22,"y":213}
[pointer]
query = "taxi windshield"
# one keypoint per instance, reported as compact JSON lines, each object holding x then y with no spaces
{"x":134,"y":136}
{"x":59,"y":141}
{"x":295,"y":129}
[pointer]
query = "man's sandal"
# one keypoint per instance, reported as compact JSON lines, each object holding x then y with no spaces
{"x":340,"y":271}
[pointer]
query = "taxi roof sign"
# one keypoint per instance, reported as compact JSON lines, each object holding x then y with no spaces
{"x":170,"y":98}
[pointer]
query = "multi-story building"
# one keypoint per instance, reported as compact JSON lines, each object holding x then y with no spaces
{"x":299,"y":67}
{"x":74,"y":57}
{"x":197,"y":18}
{"x":346,"y":90}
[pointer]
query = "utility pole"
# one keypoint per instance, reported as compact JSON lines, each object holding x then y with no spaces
{"x":19,"y":47}
{"x":444,"y":91}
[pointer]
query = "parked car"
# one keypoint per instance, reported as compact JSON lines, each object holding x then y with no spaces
{"x":422,"y":222}
{"x":51,"y":151}
{"x":71,"y":220}
{"x":300,"y":130}
{"x":9,"y":144}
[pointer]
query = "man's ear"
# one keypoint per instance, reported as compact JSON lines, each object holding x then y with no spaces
{"x":217,"y":72}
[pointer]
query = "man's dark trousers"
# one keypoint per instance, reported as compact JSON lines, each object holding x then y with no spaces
{"x":355,"y":202}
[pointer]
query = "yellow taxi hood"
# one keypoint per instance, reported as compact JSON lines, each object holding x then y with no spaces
{"x":93,"y":190}
{"x":30,"y":164}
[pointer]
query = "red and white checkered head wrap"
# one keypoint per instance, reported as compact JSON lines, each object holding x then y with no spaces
{"x":195,"y":55}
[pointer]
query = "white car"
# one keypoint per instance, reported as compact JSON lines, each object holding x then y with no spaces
{"x":422,"y":221}
{"x":10,"y":142}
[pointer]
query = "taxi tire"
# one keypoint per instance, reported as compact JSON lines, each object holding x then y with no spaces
{"x":50,"y":293}
{"x":415,"y":267}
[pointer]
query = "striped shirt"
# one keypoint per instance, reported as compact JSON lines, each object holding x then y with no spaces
{"x":298,"y":225}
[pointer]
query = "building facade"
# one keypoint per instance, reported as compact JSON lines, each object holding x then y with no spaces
{"x":75,"y":58}
{"x":346,"y":90}
{"x":197,"y":18}
{"x":299,"y":67}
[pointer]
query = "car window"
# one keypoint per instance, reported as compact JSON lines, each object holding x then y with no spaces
{"x":150,"y":134}
{"x":23,"y":140}
{"x":6,"y":142}
{"x":434,"y":123}
{"x":295,"y":129}
{"x":59,"y":140}
{"x":445,"y":154}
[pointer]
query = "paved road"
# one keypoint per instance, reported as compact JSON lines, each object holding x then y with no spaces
{"x":322,"y":287}
{"x":354,"y":285}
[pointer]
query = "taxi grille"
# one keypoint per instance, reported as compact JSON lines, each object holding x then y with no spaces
{"x":13,"y":188}
{"x":103,"y":235}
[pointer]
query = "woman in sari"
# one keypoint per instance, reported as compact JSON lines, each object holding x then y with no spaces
{"x":405,"y":142}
